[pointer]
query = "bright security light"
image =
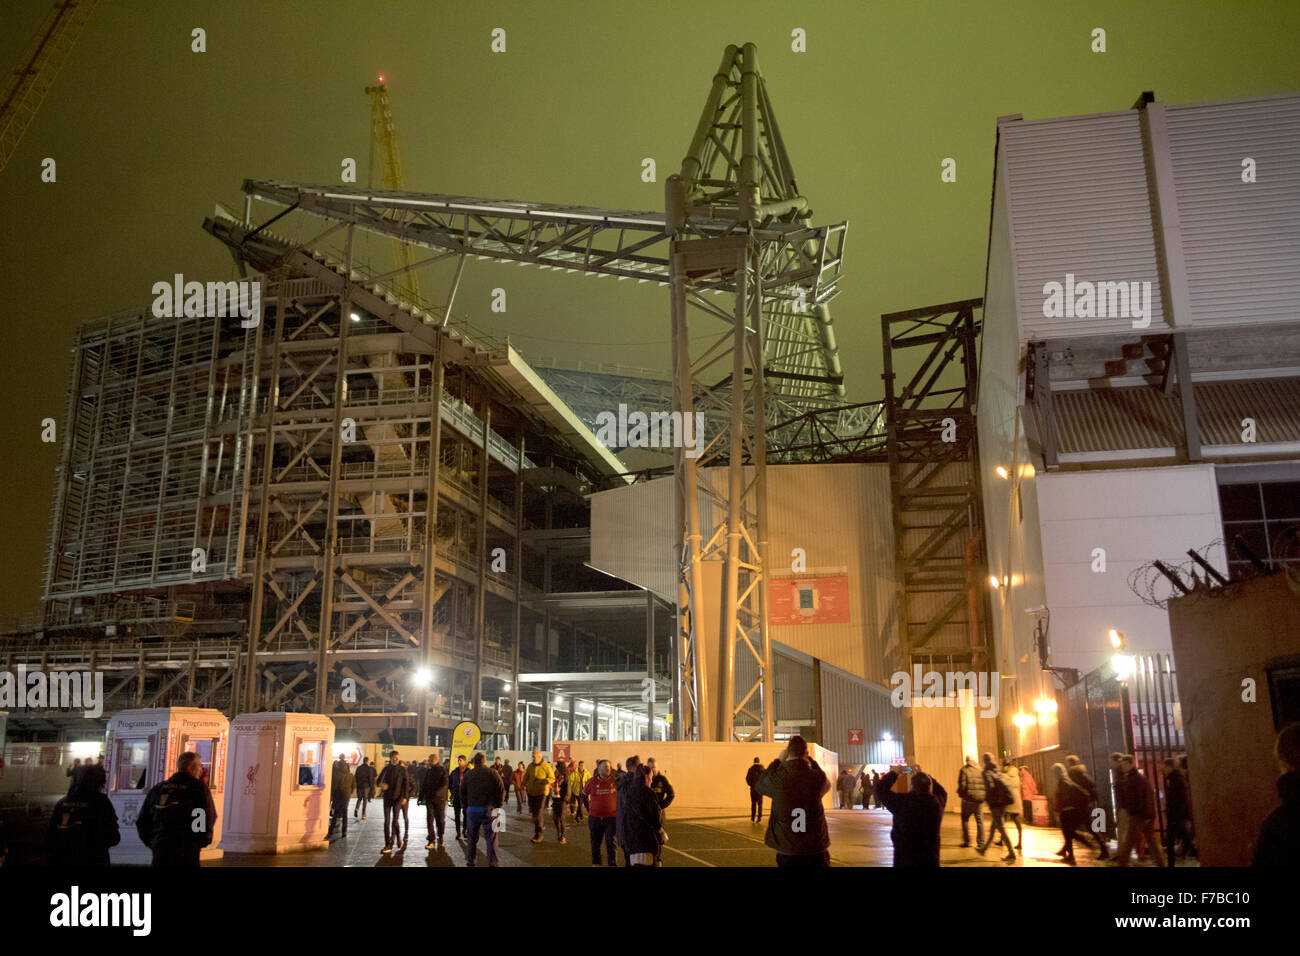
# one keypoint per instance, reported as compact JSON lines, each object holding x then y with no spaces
{"x":1124,"y":666}
{"x":1045,"y":706}
{"x":355,"y":317}
{"x":1116,"y":638}
{"x":886,"y":736}
{"x":1024,"y":720}
{"x":994,"y":582}
{"x":1002,"y":472}
{"x":422,"y":678}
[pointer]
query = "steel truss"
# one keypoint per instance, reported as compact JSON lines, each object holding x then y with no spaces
{"x":939,"y":553}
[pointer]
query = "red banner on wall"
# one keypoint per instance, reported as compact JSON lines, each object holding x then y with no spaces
{"x":808,"y":601}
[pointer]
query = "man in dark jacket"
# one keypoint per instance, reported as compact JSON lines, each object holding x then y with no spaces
{"x":178,"y":817}
{"x":1279,"y":838}
{"x":998,"y":796}
{"x":342,"y":785}
{"x":480,"y":794}
{"x":1178,"y":812}
{"x":455,"y":779}
{"x":664,"y":796}
{"x":918,"y":815}
{"x":433,"y":793}
{"x":365,"y":787}
{"x":755,"y":798}
{"x":620,"y":819}
{"x":83,"y":825}
{"x":1135,"y":795}
{"x":1077,"y":771}
{"x":796,"y":825}
{"x":640,"y":811}
{"x":394,"y":786}
{"x":970,"y":789}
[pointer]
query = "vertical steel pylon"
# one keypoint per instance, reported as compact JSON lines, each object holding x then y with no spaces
{"x":738,"y":227}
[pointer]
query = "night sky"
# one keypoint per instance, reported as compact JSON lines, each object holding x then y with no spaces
{"x":148,"y":136}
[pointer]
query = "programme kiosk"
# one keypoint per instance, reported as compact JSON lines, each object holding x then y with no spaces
{"x":141,"y":748}
{"x":277,"y":798}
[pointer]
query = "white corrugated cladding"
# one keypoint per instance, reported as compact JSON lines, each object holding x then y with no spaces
{"x":634,"y":535}
{"x":795,"y":702}
{"x":1241,"y":241}
{"x":849,"y":703}
{"x":1077,"y":193}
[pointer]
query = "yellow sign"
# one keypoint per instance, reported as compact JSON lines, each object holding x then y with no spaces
{"x":464,"y":740}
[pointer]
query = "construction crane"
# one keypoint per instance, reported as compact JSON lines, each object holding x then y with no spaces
{"x":26,"y":85}
{"x":750,"y":279}
{"x":383,"y":140}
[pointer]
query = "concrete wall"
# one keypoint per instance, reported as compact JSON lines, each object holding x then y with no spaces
{"x":705,"y":775}
{"x":1218,"y":642}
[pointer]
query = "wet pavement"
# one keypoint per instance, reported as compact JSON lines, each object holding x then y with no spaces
{"x":701,"y":838}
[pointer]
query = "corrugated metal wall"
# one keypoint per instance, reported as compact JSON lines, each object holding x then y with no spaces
{"x":634,"y":535}
{"x":1078,"y":199}
{"x":795,"y":702}
{"x":1241,"y":241}
{"x":849,"y":703}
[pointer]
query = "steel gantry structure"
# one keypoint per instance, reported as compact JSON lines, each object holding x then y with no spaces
{"x":735,"y":226}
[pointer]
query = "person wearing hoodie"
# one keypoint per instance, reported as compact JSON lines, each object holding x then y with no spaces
{"x":433,"y":793}
{"x":1077,"y":771}
{"x":641,"y":818}
{"x":537,"y":783}
{"x":601,"y":792}
{"x":998,"y":796}
{"x":1278,"y":844}
{"x":167,"y":819}
{"x":796,"y":824}
{"x":918,"y":816}
{"x":1011,"y":777}
{"x":970,"y":789}
{"x":83,"y":825}
{"x":1071,"y":808}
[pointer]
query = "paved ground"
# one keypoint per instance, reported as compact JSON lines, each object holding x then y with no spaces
{"x":696,"y":838}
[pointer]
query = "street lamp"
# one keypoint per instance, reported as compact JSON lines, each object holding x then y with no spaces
{"x":1116,"y":638}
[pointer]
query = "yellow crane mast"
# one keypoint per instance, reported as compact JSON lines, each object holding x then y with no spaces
{"x":383,"y":140}
{"x":27,"y":83}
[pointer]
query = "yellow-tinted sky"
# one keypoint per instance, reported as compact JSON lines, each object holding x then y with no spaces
{"x":148,"y":135}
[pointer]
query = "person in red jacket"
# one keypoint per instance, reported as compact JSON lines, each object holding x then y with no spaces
{"x":602,"y":812}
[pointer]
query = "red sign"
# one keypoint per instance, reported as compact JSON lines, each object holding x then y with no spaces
{"x":808,"y":600}
{"x":855,"y":737}
{"x":560,"y":752}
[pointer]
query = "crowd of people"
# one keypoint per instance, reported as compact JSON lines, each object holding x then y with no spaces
{"x":625,"y":807}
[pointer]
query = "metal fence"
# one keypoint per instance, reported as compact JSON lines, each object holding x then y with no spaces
{"x":1139,"y":714}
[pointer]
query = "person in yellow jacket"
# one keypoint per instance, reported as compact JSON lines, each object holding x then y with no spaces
{"x":537,"y":783}
{"x":578,"y":777}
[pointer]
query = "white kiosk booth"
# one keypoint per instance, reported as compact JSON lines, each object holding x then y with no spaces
{"x":141,"y":748}
{"x":278,"y":798}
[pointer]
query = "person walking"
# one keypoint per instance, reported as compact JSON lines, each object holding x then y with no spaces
{"x":343,"y":784}
{"x":178,"y":817}
{"x":796,"y":826}
{"x":1178,"y":812}
{"x":1011,"y":777}
{"x":83,"y":825}
{"x":918,"y":816}
{"x":601,"y":792}
{"x":517,"y":780}
{"x":1071,"y":808}
{"x":482,"y":797}
{"x":454,"y":781}
{"x":846,"y":787}
{"x":755,"y":798}
{"x":559,"y":797}
{"x":664,"y":796}
{"x":970,"y":789}
{"x":1140,"y":801}
{"x":998,"y":796}
{"x":365,"y":787}
{"x":1278,"y":843}
{"x":875,"y":786}
{"x":394,"y":787}
{"x":433,"y":794}
{"x":620,"y":818}
{"x":1077,"y":771}
{"x":641,"y":819}
{"x":537,"y":783}
{"x":578,"y":777}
